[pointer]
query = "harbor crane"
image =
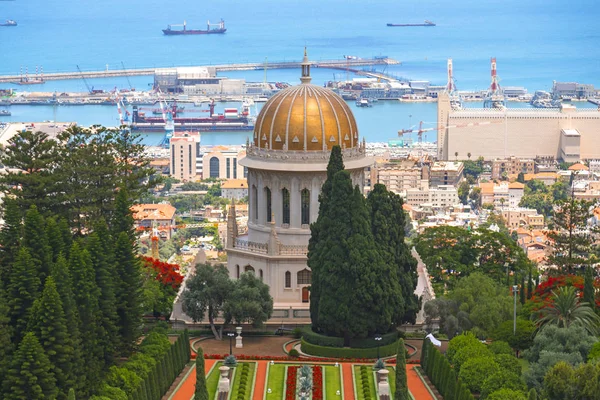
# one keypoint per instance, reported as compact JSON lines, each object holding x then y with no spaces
{"x":420,"y":131}
{"x":494,"y":97}
{"x":167,"y":115}
{"x":455,"y":100}
{"x":91,"y":90}
{"x":131,"y":88}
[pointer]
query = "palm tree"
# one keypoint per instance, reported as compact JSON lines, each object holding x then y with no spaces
{"x":456,"y":155}
{"x":566,"y":309}
{"x":469,"y":155}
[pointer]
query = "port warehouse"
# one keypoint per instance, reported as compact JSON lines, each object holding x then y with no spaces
{"x":568,"y":133}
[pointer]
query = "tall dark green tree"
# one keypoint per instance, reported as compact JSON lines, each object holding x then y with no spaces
{"x":55,"y":239}
{"x":30,"y":376}
{"x":387,"y":223}
{"x":201,"y":392}
{"x":248,"y":302}
{"x":86,"y":294}
{"x":10,"y":235}
{"x":129,"y":292}
{"x":401,"y":380}
{"x":49,"y":324}
{"x":588,"y":288}
{"x":357,"y":298}
{"x":36,"y":241}
{"x":22,"y":290}
{"x":569,"y":233}
{"x":336,"y":164}
{"x":6,"y":346}
{"x":122,"y":220}
{"x":105,"y":270}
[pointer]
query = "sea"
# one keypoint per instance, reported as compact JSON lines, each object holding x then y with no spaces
{"x":535,"y":42}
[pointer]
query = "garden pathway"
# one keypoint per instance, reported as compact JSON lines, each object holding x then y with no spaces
{"x":261,"y":379}
{"x":187,"y":388}
{"x":416,"y":385}
{"x":348,"y":381}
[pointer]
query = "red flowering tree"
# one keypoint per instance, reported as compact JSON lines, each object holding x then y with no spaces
{"x":542,"y":295}
{"x":161,"y":283}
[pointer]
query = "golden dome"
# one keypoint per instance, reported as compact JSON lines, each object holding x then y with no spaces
{"x":305,"y":118}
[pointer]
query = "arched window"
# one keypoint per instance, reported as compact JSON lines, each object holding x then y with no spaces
{"x":305,"y":206}
{"x":260,"y":274}
{"x":304,"y":277}
{"x":248,"y":268}
{"x":288,"y":279}
{"x":255,"y":201}
{"x":237,"y":271}
{"x":268,"y":197}
{"x":214,"y":167}
{"x":285,"y":201}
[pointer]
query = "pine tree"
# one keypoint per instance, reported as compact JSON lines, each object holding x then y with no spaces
{"x":401,"y":380}
{"x":105,"y":277}
{"x":388,"y":220}
{"x":122,"y":220}
{"x":50,"y":327}
{"x":55,"y":239}
{"x":10,"y":236}
{"x":22,"y":290}
{"x":66,"y":234}
{"x":201,"y":390}
{"x":356,"y":293}
{"x":30,"y":376}
{"x":35,"y":240}
{"x":588,"y":288}
{"x":335,"y":165}
{"x":129,"y":293}
{"x":64,"y":286}
{"x":6,"y":346}
{"x":86,"y":294}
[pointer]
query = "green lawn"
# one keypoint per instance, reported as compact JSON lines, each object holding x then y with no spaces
{"x":370,"y":388}
{"x":238,"y":377}
{"x":392,"y":380}
{"x":332,"y":382}
{"x":212,"y":380}
{"x":276,"y":381}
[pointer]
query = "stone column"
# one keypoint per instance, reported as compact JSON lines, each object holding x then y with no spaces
{"x":260,"y":187}
{"x":295,"y":202}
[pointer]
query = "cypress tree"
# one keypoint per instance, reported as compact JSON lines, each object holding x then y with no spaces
{"x":388,"y":220}
{"x":36,"y":241}
{"x":10,"y":236}
{"x":522,"y":291}
{"x":105,"y":275}
{"x":71,"y":395}
{"x":22,"y":290}
{"x":529,"y":284}
{"x":356,"y":294}
{"x":451,"y":386}
{"x":50,"y":327}
{"x":30,"y":376}
{"x":86,"y":295}
{"x":129,"y":292}
{"x":201,"y":390}
{"x":532,"y":395}
{"x":401,"y":381}
{"x":588,"y":288}
{"x":188,"y":350}
{"x":6,"y":346}
{"x":335,"y":165}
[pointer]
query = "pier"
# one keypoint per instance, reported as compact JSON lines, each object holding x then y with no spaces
{"x":349,"y":64}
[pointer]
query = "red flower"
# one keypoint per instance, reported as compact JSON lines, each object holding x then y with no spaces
{"x":317,"y":373}
{"x":290,"y":382}
{"x":167,"y":274}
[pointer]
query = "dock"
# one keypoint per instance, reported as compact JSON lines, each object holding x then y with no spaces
{"x":350,"y":64}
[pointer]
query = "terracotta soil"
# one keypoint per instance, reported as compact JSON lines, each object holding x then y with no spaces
{"x":260,"y":381}
{"x":253,"y":345}
{"x":416,"y":385}
{"x":188,"y":387}
{"x":348,"y":381}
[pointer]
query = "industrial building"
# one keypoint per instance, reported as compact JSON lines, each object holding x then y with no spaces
{"x":568,"y":133}
{"x":196,"y":81}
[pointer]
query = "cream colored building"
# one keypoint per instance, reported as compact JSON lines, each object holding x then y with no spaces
{"x":185,"y":149}
{"x":503,"y":194}
{"x":512,"y":166}
{"x":569,"y":134}
{"x":440,"y":197}
{"x":445,"y":173}
{"x":222,"y":162}
{"x":397,"y":176}
{"x":287,"y":165}
{"x":234,"y":189}
{"x":516,"y":217}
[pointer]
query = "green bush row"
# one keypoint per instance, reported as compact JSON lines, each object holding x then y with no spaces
{"x":365,"y":343}
{"x":344,"y":352}
{"x":167,"y":366}
{"x":240,"y":394}
{"x":441,"y":374}
{"x":365,"y":385}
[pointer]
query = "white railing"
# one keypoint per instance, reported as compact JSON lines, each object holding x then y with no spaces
{"x":293,"y":250}
{"x":253,"y":247}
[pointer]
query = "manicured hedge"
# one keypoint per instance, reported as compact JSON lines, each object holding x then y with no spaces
{"x":339,"y":352}
{"x":365,"y":343}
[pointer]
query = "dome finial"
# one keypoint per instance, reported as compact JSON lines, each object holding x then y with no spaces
{"x":305,"y":78}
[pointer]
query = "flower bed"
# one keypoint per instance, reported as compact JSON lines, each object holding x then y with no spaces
{"x":317,"y":373}
{"x":301,"y":359}
{"x":290,"y":382}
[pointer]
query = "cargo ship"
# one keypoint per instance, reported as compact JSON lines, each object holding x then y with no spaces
{"x":231,"y":120}
{"x":426,"y":23}
{"x":220,"y":29}
{"x":9,"y":22}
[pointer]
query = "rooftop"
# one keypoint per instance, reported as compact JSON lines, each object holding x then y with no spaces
{"x":153,"y":211}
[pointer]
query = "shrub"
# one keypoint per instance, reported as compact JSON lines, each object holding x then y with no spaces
{"x":293,"y":353}
{"x":509,"y":363}
{"x":474,"y":350}
{"x":458,"y":343}
{"x":379,"y":364}
{"x":336,"y":352}
{"x":123,"y":378}
{"x":502,"y":379}
{"x":297,"y":333}
{"x":476,"y":370}
{"x":507,"y":394}
{"x":500,"y":347}
{"x":230,"y":361}
{"x":594,"y":353}
{"x":321,"y":340}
